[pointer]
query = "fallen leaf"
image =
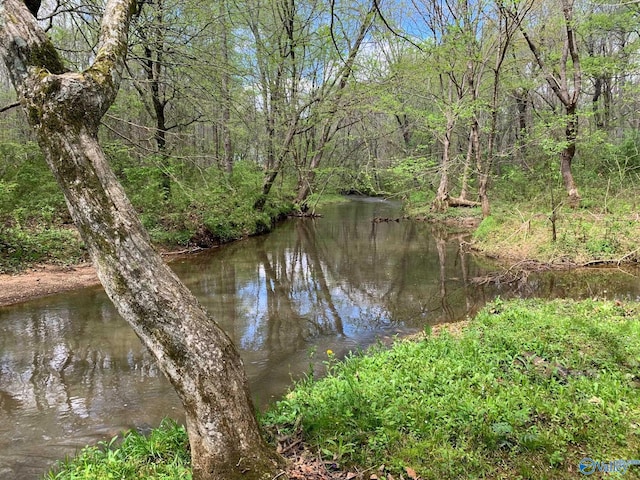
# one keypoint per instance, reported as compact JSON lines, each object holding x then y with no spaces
{"x":351,"y":475}
{"x":412,"y":473}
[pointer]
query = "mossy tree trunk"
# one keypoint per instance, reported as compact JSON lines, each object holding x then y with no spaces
{"x":65,"y":109}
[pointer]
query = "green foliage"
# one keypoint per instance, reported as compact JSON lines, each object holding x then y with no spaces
{"x":526,"y":391}
{"x":28,"y":191}
{"x":33,"y":214}
{"x":486,"y":226}
{"x":623,"y":159}
{"x":182,"y":204}
{"x":26,"y":246}
{"x":163,"y":455}
{"x":178,"y":203}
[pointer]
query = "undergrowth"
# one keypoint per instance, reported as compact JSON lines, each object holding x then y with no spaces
{"x":527,"y":391}
{"x":179,"y":203}
{"x":162,"y":455}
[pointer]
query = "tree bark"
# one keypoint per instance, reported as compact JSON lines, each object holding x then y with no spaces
{"x":566,"y":157}
{"x":65,"y":109}
{"x":441,"y":201}
{"x":225,"y":86}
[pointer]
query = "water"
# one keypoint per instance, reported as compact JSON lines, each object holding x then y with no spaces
{"x":73,"y":373}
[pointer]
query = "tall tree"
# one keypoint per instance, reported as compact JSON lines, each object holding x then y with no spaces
{"x":506,"y":26}
{"x":65,"y":108}
{"x":565,"y":80}
{"x":326,"y":122}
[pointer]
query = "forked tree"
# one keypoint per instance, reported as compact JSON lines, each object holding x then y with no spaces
{"x":564,"y":78}
{"x":65,"y":108}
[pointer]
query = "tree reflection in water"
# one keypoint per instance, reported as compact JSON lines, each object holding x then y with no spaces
{"x":72,"y":372}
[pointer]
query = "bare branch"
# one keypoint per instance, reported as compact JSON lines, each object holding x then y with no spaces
{"x":376,"y":4}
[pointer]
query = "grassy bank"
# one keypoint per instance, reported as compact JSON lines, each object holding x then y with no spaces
{"x":530,"y":220}
{"x":571,"y":237}
{"x":527,"y":390}
{"x":161,"y":455}
{"x":180,"y":204}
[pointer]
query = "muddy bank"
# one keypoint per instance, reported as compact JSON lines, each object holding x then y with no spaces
{"x":45,"y":280}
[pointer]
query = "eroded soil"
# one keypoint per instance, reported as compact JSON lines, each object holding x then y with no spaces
{"x":45,"y":280}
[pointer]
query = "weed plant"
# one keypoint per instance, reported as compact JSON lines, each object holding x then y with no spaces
{"x":527,"y":391}
{"x":162,"y":455}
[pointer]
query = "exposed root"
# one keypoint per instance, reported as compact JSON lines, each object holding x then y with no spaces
{"x":305,"y":214}
{"x":387,"y":219}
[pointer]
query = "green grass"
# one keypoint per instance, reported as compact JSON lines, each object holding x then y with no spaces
{"x":583,"y":236}
{"x":162,"y":455}
{"x":527,"y":391}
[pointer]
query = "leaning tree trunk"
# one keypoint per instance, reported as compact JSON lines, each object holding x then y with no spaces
{"x":199,"y":359}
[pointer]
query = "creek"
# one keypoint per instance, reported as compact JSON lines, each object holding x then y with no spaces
{"x":73,"y":373}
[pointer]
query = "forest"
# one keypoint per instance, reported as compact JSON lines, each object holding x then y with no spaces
{"x":133,"y":126}
{"x":231,"y":116}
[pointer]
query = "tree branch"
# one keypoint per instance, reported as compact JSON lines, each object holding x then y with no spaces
{"x":9,"y":107}
{"x":376,"y":4}
{"x":23,"y":44}
{"x":112,"y":47}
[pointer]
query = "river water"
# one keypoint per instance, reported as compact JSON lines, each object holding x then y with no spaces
{"x":73,"y":373}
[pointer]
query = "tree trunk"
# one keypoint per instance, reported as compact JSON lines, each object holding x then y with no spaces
{"x":225,"y":85}
{"x":566,"y":157}
{"x":597,"y":112}
{"x":440,"y":203}
{"x":194,"y":353}
{"x":306,"y":179}
{"x":568,"y":96}
{"x":464,"y":189}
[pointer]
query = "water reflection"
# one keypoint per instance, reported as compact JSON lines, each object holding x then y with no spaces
{"x":72,"y":372}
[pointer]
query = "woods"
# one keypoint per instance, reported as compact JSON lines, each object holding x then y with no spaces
{"x":64,"y":109}
{"x":434,"y":101}
{"x":182,"y":124}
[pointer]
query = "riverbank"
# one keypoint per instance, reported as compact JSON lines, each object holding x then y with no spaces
{"x":48,"y":279}
{"x":528,"y":389}
{"x":29,"y":282}
{"x":568,"y":239}
{"x":527,"y":236}
{"x":44,"y":280}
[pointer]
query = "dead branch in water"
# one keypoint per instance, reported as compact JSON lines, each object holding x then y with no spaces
{"x":519,"y":271}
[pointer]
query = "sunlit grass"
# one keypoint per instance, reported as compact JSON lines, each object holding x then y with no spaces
{"x":582,"y":236}
{"x":527,"y":391}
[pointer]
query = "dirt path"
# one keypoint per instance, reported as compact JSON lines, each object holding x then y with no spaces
{"x":45,"y":280}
